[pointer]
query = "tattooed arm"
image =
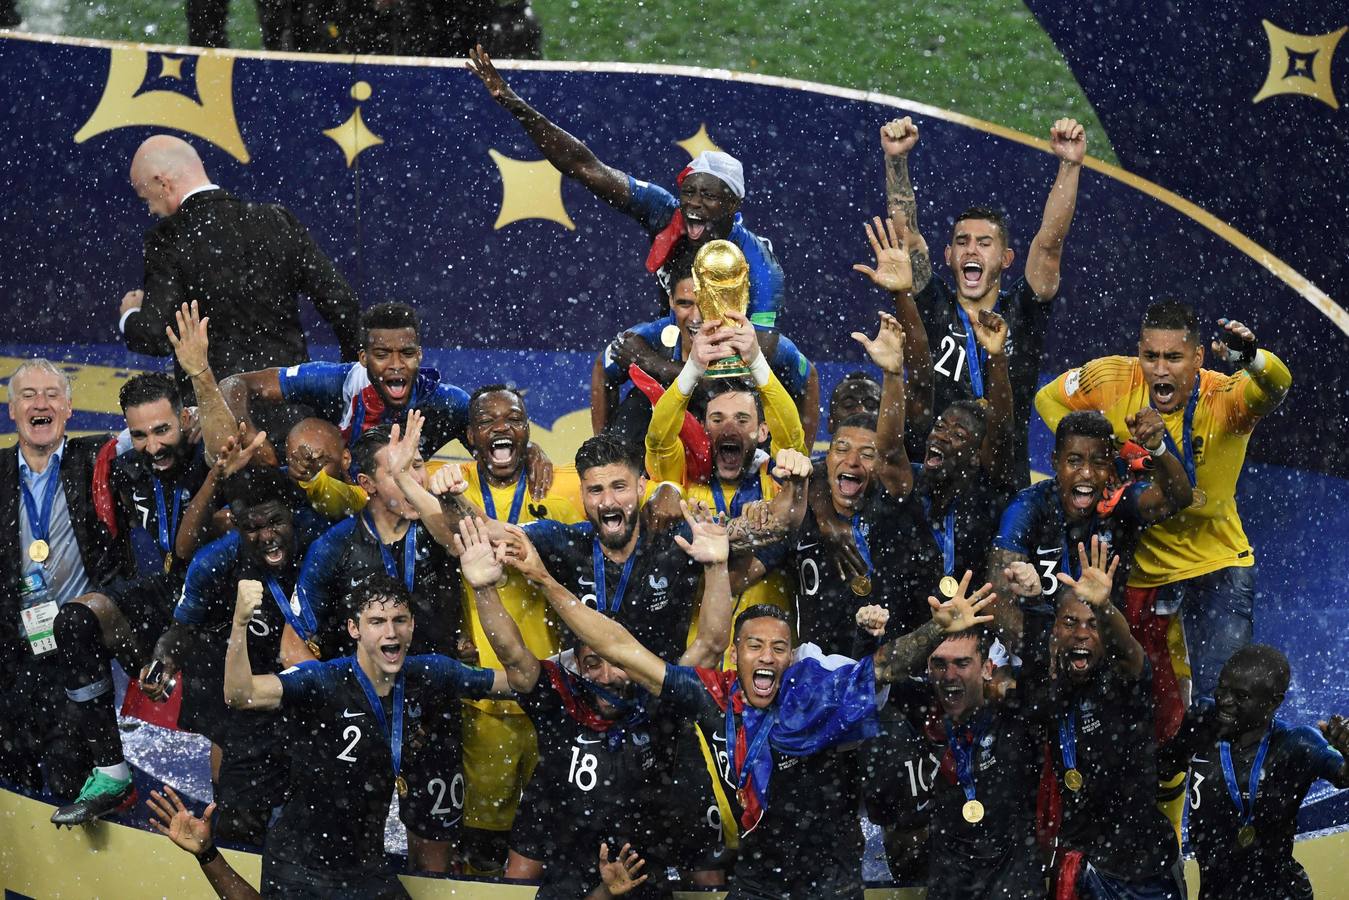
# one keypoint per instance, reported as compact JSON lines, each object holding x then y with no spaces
{"x":897,"y":139}
{"x":904,"y":654}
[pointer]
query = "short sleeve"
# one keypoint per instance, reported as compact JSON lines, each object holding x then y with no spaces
{"x":207,"y":576}
{"x":684,"y":690}
{"x":1018,"y":522}
{"x":791,"y":367}
{"x":650,"y":204}
{"x":551,"y":538}
{"x":1323,"y":760}
{"x":450,"y":404}
{"x":313,"y":586}
{"x":766,"y":281}
{"x":450,"y":676}
{"x":315,"y":383}
{"x":302,"y":685}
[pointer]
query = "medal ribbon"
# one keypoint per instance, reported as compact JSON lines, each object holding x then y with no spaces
{"x":1186,"y":436}
{"x":860,"y":539}
{"x":756,"y":744}
{"x":945,"y":536}
{"x":39,"y":520}
{"x":601,"y":589}
{"x":489,"y":505}
{"x":409,"y":552}
{"x":168,"y":528}
{"x":1234,"y":787}
{"x":305,"y":624}
{"x":974,"y":360}
{"x":1068,"y":738}
{"x":751,"y":489}
{"x":963,"y":754}
{"x":393,"y":735}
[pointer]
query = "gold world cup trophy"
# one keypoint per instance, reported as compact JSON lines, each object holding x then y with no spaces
{"x":721,"y":283}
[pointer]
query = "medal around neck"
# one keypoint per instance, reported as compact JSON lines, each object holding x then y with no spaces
{"x":1246,"y":836}
{"x":861,"y":585}
{"x":669,"y":335}
{"x":721,"y":283}
{"x":973,"y":811}
{"x":1072,"y":780}
{"x":38,"y":551}
{"x":948,"y":586}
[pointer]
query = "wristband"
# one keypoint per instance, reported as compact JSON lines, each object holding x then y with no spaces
{"x":1257,"y":363}
{"x":687,"y":381}
{"x":205,"y":368}
{"x":1159,"y":452}
{"x":208,"y":856}
{"x":760,"y":370}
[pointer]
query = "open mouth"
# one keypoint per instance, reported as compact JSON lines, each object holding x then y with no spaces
{"x":1078,"y":659}
{"x":391,"y":652}
{"x":274,"y":555}
{"x":611,"y":522}
{"x":502,"y":452}
{"x":694,"y":227}
{"x":936,"y":456}
{"x":39,"y":421}
{"x":849,"y":486}
{"x":162,"y":462}
{"x":730,"y":455}
{"x":763,"y":682}
{"x":952,"y":693}
{"x":397,"y":388}
{"x":1163,"y":393}
{"x":971,"y":273}
{"x":1082,"y":497}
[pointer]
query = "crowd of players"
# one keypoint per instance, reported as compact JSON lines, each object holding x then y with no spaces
{"x":696,"y":654}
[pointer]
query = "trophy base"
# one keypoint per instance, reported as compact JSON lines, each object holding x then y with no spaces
{"x":733,"y":367}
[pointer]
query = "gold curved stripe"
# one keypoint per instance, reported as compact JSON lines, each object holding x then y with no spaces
{"x":1318,"y":298}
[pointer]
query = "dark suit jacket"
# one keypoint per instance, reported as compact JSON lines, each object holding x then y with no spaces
{"x":103,"y":555}
{"x":246,"y":265}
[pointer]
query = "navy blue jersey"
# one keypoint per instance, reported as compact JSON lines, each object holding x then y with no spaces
{"x":1027,"y":318}
{"x":349,"y":553}
{"x":133,"y":481}
{"x":342,"y":777}
{"x":658,"y":600}
{"x":906,"y":567}
{"x":654,"y":207}
{"x":342,"y":394}
{"x":1297,"y":757}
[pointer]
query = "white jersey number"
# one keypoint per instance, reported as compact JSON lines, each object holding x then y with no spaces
{"x":583,"y":769}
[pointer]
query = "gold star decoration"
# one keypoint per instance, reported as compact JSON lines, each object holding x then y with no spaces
{"x":529,"y":190}
{"x":352,"y":135}
{"x":124,"y":105}
{"x":171,"y":67}
{"x":1300,"y":64}
{"x":698,"y":142}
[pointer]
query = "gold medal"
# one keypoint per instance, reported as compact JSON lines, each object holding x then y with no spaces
{"x":1199,"y":500}
{"x":38,"y":551}
{"x":861,"y":585}
{"x":400,"y":784}
{"x":669,"y":335}
{"x":168,"y":563}
{"x":973,"y":812}
{"x":948,"y":586}
{"x":313,"y":646}
{"x":1246,"y":836}
{"x":1072,"y":780}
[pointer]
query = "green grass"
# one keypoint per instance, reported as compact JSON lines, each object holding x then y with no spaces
{"x":984,"y":58}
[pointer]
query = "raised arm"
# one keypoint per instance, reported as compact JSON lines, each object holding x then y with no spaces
{"x":664,"y":451}
{"x":482,"y":570}
{"x":239,"y":392}
{"x":887,"y":351}
{"x":603,"y":396}
{"x":897,"y":139}
{"x":1269,"y":380}
{"x":908,"y":652}
{"x":997,"y":454}
{"x":402,"y":457}
{"x":195,"y":528}
{"x":605,"y":636}
{"x":571,"y":157}
{"x":710,"y":547}
{"x":1170,"y":490}
{"x":1336,"y":731}
{"x":243,"y":689}
{"x":1068,"y":140}
{"x":1093,"y":589}
{"x":1012,"y":576}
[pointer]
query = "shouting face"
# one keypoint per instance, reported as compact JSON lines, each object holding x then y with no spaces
{"x":268,"y":533}
{"x":157,"y":434}
{"x":953,"y":445}
{"x":708,"y":207}
{"x":383,"y":633}
{"x":611,"y":495}
{"x":977,"y":257}
{"x":958,"y":672}
{"x":498,"y":433}
{"x":735,"y":431}
{"x":1083,"y":466}
{"x":761,"y":653}
{"x":1170,"y":366}
{"x":851,"y":461}
{"x":39,"y":407}
{"x":1076,"y":639}
{"x":391,"y":359}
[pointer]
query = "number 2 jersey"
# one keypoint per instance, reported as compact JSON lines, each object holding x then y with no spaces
{"x":342,"y":777}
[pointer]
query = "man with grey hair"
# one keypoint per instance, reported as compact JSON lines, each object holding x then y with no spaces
{"x":244,"y":263}
{"x":711,"y":189}
{"x":54,"y":546}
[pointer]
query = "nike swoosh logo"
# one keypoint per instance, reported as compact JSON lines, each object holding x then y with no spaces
{"x":356,"y":581}
{"x":806,"y":546}
{"x":924,"y":805}
{"x":718,"y":736}
{"x":137,"y":498}
{"x":1047,"y":551}
{"x":348,"y":714}
{"x":581,"y":740}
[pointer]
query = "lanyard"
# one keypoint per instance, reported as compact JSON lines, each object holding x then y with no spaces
{"x":393,"y":735}
{"x":39,"y":520}
{"x":1186,"y":436}
{"x":859,"y":537}
{"x":601,"y":589}
{"x":756,"y":743}
{"x":358,"y":409}
{"x":409,"y":552}
{"x":1230,"y":774}
{"x":751,"y":489}
{"x":1069,"y":562}
{"x":489,"y":505}
{"x":974,"y":360}
{"x":1068,"y":738}
{"x":963,"y":755}
{"x":945,"y":536}
{"x":168,"y":528}
{"x":300,"y":617}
